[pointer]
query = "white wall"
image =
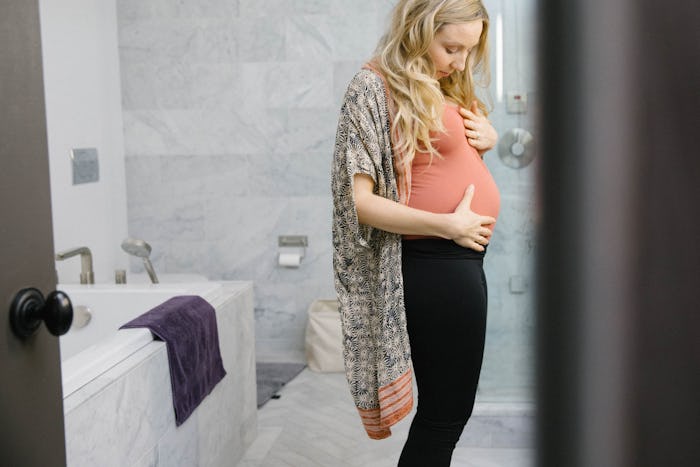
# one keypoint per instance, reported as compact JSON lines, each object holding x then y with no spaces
{"x":83,"y":109}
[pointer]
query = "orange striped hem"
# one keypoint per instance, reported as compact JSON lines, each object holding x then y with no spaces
{"x":395,"y":402}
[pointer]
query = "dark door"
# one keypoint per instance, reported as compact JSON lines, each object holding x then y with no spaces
{"x":31,"y":402}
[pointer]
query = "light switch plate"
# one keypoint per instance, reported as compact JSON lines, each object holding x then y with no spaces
{"x":86,"y":167}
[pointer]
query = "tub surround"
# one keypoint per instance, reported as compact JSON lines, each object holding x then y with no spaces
{"x":125,"y":416}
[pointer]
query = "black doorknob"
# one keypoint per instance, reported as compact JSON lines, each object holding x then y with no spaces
{"x":29,"y":309}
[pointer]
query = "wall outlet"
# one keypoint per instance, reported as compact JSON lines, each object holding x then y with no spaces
{"x":517,"y":284}
{"x":86,"y":167}
{"x":516,"y":102}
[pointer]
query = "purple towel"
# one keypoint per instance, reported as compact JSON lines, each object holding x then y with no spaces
{"x":187,"y":324}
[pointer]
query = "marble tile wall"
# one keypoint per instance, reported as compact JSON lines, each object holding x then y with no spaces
{"x":230,"y":109}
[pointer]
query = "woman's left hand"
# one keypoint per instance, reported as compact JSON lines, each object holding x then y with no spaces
{"x":478,"y":129}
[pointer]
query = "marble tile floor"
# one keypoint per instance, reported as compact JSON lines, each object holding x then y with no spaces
{"x":314,"y":424}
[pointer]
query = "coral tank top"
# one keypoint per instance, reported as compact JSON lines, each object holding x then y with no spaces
{"x":439,"y":185}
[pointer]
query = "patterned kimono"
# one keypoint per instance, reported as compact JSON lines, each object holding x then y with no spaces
{"x":367,"y":263}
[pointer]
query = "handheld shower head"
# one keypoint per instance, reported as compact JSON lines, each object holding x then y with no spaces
{"x":140,"y":249}
{"x":136,"y":247}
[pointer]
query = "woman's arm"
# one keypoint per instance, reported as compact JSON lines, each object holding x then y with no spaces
{"x":464,"y":226}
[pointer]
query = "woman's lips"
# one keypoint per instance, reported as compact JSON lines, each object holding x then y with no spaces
{"x":442,"y":74}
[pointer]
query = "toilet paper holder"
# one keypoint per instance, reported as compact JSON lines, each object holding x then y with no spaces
{"x":293,"y":240}
{"x":292,"y":249}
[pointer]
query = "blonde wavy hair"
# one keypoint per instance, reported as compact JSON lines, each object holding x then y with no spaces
{"x":402,"y":58}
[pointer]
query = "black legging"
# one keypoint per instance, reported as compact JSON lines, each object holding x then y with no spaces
{"x":445,"y":296}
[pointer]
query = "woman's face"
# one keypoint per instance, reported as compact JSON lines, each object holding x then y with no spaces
{"x":451,"y":46}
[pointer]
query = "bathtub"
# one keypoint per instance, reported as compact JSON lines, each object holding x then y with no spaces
{"x":89,"y":351}
{"x":117,"y":398}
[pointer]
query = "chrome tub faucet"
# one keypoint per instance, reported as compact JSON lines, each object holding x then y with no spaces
{"x":87,"y":276}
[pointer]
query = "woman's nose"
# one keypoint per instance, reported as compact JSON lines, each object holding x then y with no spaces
{"x":460,"y":62}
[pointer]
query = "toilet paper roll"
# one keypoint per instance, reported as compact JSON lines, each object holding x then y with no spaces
{"x":289,"y":260}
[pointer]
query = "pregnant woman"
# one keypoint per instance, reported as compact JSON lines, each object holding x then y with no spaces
{"x":414,"y":209}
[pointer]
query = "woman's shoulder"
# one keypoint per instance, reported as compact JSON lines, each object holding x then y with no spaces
{"x":367,"y":81}
{"x":367,"y":74}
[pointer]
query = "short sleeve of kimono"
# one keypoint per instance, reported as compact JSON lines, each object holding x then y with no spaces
{"x":362,"y":151}
{"x":357,"y":151}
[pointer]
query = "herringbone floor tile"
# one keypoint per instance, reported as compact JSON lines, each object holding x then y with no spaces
{"x":314,"y":424}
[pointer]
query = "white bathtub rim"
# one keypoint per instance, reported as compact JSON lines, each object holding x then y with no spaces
{"x":82,"y":368}
{"x":112,"y":375}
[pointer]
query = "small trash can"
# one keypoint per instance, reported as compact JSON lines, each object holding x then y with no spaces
{"x":324,"y":337}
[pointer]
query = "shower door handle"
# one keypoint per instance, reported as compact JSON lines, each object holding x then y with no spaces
{"x":29,"y":309}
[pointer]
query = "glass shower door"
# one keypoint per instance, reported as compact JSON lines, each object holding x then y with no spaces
{"x":508,"y":368}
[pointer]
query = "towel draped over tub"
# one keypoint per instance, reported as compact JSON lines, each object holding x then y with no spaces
{"x":187,"y":325}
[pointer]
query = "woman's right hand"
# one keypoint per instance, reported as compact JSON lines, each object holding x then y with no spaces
{"x":463,"y":226}
{"x":470,"y":227}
